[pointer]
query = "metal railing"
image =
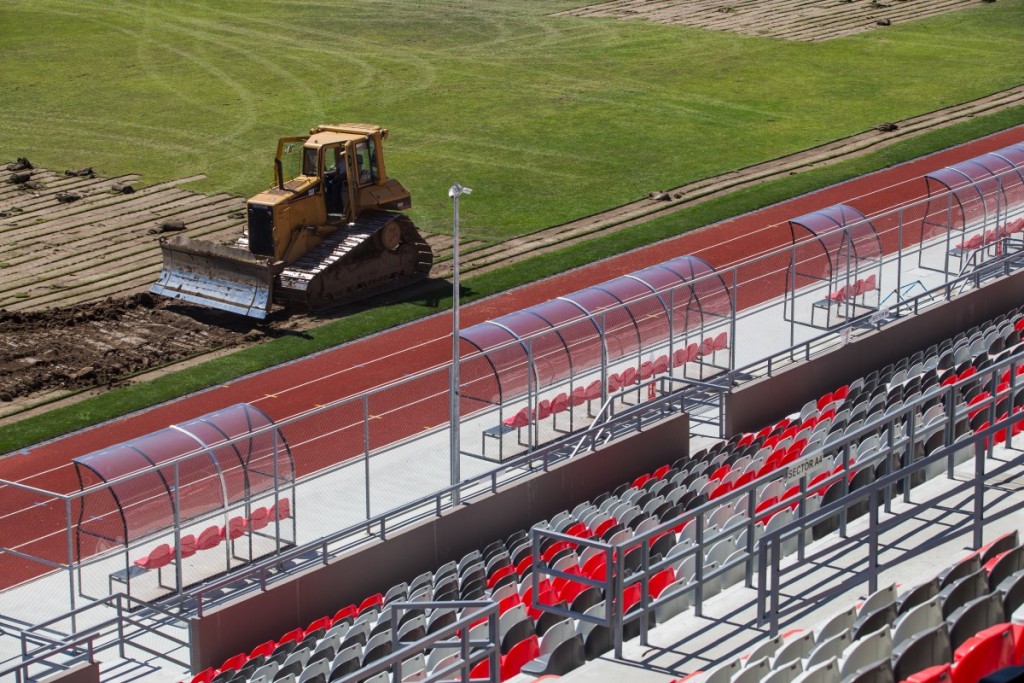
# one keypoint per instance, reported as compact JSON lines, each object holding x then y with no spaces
{"x":132,"y":621}
{"x":903,"y":433}
{"x":769,"y":546}
{"x":457,"y":637}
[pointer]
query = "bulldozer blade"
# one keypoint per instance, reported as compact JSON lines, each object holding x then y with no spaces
{"x":216,"y":276}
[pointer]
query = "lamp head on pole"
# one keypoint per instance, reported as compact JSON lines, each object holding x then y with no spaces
{"x":457,"y":191}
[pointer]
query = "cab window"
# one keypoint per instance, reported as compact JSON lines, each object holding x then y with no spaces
{"x":366,"y":161}
{"x":309,"y":155}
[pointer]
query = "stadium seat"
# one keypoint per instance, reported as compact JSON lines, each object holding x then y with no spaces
{"x":210,"y":537}
{"x":984,"y":653}
{"x":160,"y":556}
{"x":922,"y":651}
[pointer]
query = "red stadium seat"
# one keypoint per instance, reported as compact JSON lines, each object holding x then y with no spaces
{"x":263,"y":649}
{"x":236,"y":528}
{"x":348,"y":612}
{"x":375,"y":600}
{"x":593,"y":390}
{"x":521,"y":653}
{"x":692,"y":352}
{"x":579,"y":530}
{"x":543,"y":409}
{"x":259,"y":518}
{"x":499,"y":574}
{"x":204,"y":676}
{"x":641,"y":480}
{"x":943,"y":673}
{"x":630,"y":596}
{"x":720,"y":342}
{"x":519,"y":420}
{"x":295,"y":635}
{"x":720,"y":473}
{"x":983,"y":653}
{"x":646,"y":370}
{"x":578,"y":396}
{"x":662,"y":471}
{"x":210,"y":537}
{"x":554,"y":548}
{"x":660,"y":581}
{"x":158,"y":557}
{"x":596,"y":567}
{"x":524,"y":564}
{"x":661,"y":365}
{"x":187,"y":546}
{"x":234,"y":663}
{"x":839,"y":295}
{"x":560,"y":403}
{"x":628,"y":377}
{"x":614,"y":382}
{"x":605,"y":525}
{"x":318,"y":624}
{"x":512,"y":663}
{"x":282,"y":511}
{"x":508,"y":603}
{"x":720,"y":490}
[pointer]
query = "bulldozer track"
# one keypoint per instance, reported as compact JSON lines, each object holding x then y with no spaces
{"x":798,"y":20}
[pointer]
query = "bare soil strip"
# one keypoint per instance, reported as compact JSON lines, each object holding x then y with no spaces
{"x":789,"y":19}
{"x":74,"y":312}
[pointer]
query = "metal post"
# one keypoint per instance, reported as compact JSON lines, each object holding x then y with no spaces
{"x":978,"y":526}
{"x":177,"y":529}
{"x":455,"y":192}
{"x":366,"y":450}
{"x":71,"y":562}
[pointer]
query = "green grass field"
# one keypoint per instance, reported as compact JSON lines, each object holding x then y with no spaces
{"x":548,"y":119}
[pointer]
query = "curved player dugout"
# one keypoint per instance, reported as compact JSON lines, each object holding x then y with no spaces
{"x":975,"y":192}
{"x":179,"y":473}
{"x":566,"y":337}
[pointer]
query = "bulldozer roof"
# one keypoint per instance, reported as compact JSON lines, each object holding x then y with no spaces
{"x":330,"y":137}
{"x":340,"y":132}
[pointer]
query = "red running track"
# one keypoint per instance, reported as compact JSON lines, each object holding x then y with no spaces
{"x":356,"y":367}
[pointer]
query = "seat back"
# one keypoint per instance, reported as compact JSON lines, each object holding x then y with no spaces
{"x":974,"y":617}
{"x":866,"y":651}
{"x":960,"y":592}
{"x":825,"y":672}
{"x":753,"y":672}
{"x":723,"y":673}
{"x":876,"y":672}
{"x":917,"y":620}
{"x":797,"y":646}
{"x":921,"y":651}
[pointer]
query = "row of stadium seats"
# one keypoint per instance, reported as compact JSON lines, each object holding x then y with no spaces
{"x":359,"y":634}
{"x":616,"y":381}
{"x":211,"y":537}
{"x":953,"y":627}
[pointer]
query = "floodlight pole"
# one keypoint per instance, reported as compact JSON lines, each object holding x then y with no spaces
{"x":454,"y":193}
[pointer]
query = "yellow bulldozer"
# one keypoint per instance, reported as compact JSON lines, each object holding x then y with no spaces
{"x":329,"y":232}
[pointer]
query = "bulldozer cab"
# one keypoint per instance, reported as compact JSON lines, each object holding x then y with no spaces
{"x":343,"y":162}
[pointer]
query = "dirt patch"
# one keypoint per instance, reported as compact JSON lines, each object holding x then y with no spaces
{"x":101,"y":343}
{"x":790,"y":19}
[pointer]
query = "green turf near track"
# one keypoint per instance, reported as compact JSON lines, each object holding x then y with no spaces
{"x":549,"y":119}
{"x":124,"y":400}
